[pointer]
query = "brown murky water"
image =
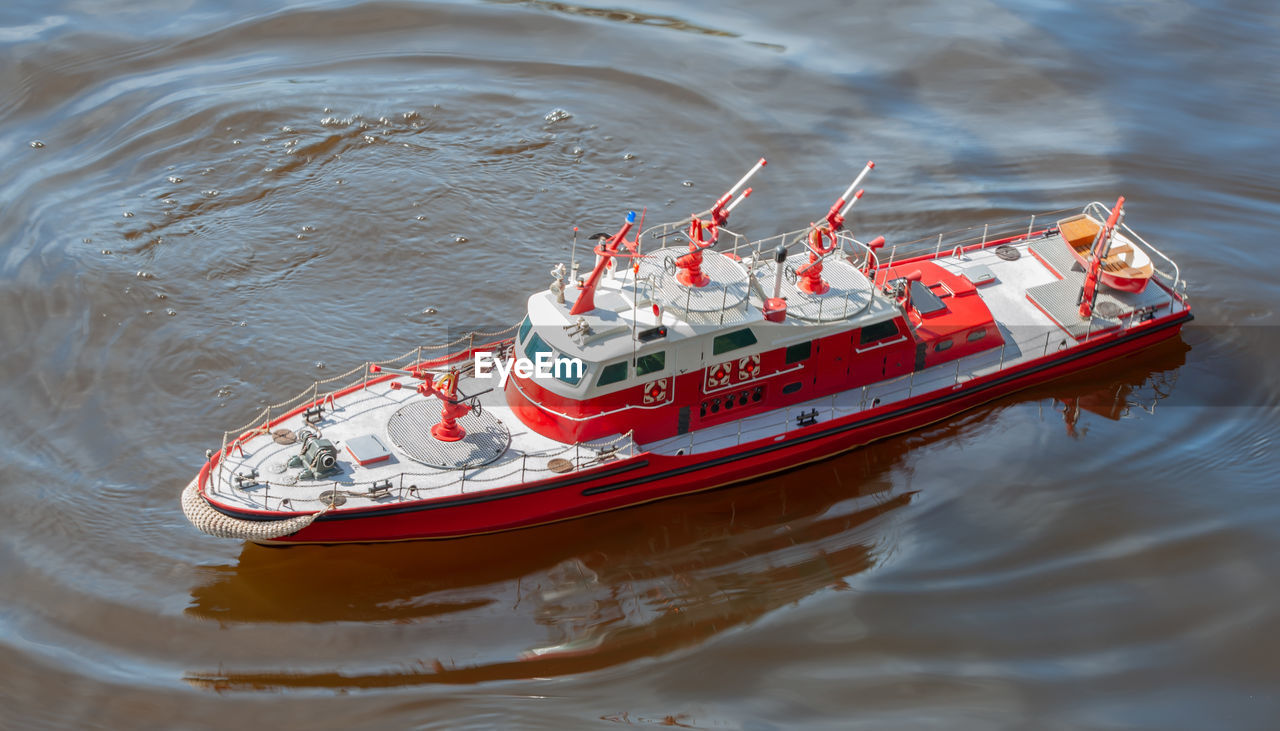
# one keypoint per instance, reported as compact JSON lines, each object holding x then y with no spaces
{"x":208,"y":205}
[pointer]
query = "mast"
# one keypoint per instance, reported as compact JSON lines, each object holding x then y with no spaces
{"x":1098,"y":252}
{"x":605,"y":251}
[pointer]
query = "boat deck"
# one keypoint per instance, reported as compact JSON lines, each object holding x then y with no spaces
{"x":499,"y":451}
{"x":1029,"y":333}
{"x":1060,"y":299}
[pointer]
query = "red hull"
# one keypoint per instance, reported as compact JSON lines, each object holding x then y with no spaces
{"x":648,"y":477}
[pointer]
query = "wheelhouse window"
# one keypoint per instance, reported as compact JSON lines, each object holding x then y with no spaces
{"x":799,"y":352}
{"x":525,"y":326}
{"x":732,"y":341}
{"x":612,"y":373}
{"x":942,"y":345}
{"x":568,"y":370}
{"x":563,"y":369}
{"x":651,"y":363}
{"x":878,"y":331}
{"x":978,"y":334}
{"x":537,"y":345}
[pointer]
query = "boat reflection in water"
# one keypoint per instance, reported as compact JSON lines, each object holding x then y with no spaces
{"x":599,"y":592}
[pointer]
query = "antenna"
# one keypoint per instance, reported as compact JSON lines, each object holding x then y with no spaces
{"x":573,"y":257}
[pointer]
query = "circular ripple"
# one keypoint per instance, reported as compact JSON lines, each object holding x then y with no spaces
{"x":410,"y":430}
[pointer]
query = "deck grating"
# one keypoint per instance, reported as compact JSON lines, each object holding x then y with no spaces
{"x":1060,"y":299}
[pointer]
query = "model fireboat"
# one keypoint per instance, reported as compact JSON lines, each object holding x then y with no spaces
{"x":689,"y":358}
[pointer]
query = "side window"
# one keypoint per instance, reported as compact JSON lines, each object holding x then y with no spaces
{"x":651,"y":363}
{"x":978,"y":334}
{"x":799,"y":352}
{"x":732,"y":341}
{"x":942,"y":345}
{"x":612,"y":373}
{"x":878,"y":331}
{"x":525,"y":326}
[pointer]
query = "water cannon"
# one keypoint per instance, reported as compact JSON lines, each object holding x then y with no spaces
{"x":718,"y":214}
{"x":836,"y":215}
{"x":720,"y":211}
{"x":445,"y":388}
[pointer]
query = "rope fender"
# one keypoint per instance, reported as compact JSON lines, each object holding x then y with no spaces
{"x":203,"y":516}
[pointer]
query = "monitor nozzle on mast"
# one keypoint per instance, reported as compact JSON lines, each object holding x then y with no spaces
{"x":821,"y":241}
{"x":702,"y":226}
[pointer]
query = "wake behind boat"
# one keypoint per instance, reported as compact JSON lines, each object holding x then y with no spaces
{"x":688,"y":358}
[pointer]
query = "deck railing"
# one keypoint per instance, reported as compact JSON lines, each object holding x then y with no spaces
{"x":1014,"y":351}
{"x":255,"y":487}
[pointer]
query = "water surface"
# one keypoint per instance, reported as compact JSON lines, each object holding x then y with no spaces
{"x":206,"y":206}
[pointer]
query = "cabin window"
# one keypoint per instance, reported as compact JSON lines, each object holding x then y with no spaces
{"x":537,"y":345}
{"x":878,"y":331}
{"x":799,"y":352}
{"x":978,"y":334}
{"x":612,"y":373}
{"x":942,"y":345}
{"x":732,"y":341}
{"x":651,"y":363}
{"x":525,"y":326}
{"x":792,"y":387}
{"x":568,"y":370}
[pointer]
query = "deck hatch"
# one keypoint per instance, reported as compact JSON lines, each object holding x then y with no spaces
{"x":924,"y":300}
{"x":367,"y":449}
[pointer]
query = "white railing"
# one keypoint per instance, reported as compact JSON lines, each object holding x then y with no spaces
{"x":936,"y":379}
{"x":677,"y":232}
{"x":404,"y":486}
{"x":223,"y":477}
{"x":1102,"y":213}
